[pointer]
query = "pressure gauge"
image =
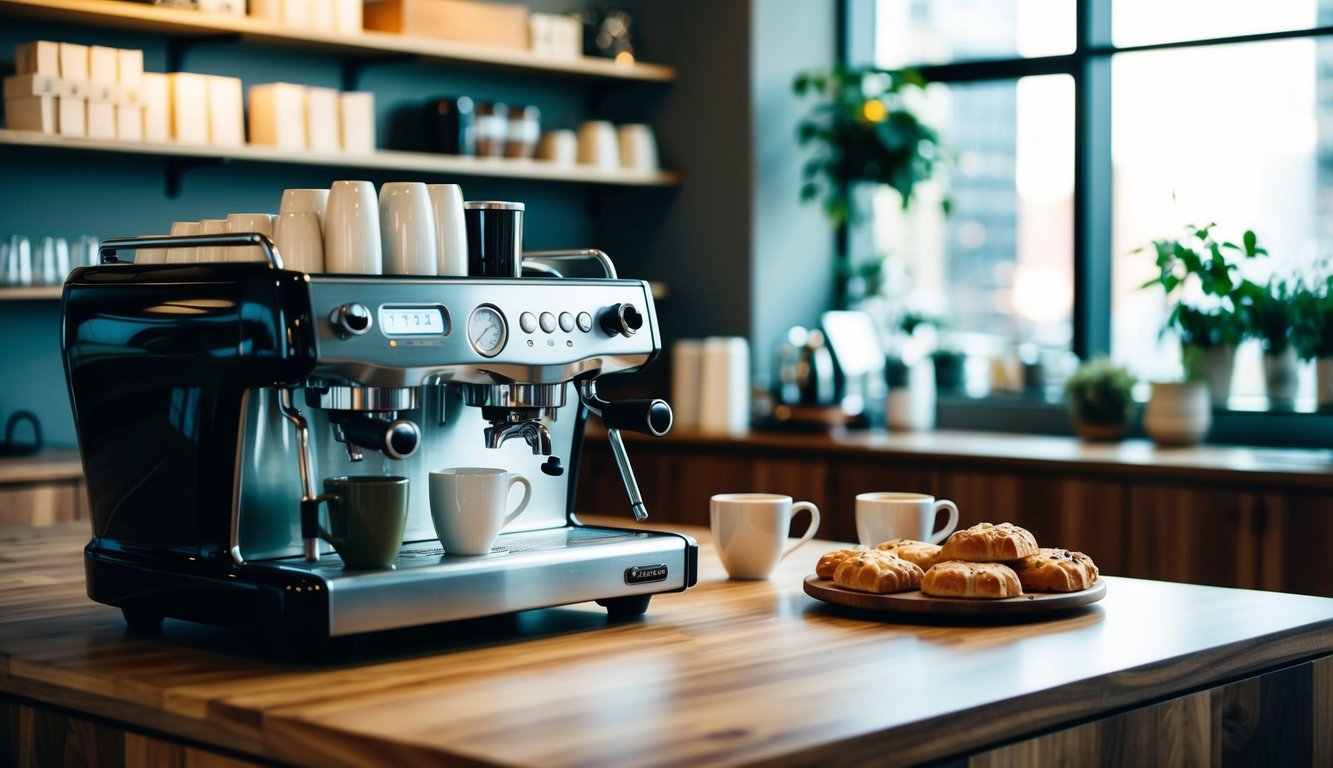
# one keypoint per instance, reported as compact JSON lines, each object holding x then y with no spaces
{"x":486,"y":330}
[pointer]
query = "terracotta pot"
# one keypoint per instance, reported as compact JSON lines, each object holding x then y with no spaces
{"x":1178,"y":413}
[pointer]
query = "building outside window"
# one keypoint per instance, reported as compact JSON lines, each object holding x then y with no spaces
{"x":1214,"y":111}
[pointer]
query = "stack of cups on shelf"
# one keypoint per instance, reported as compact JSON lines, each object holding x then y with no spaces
{"x":328,"y":17}
{"x":408,"y":228}
{"x":710,"y":384}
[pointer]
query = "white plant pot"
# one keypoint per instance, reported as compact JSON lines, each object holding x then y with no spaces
{"x":1216,"y":365}
{"x":1280,"y":376}
{"x":1178,"y":413}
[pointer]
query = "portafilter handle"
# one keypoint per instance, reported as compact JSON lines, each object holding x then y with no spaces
{"x":652,"y":417}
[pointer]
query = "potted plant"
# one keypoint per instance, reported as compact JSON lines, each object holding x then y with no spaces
{"x":1272,"y":320}
{"x":863,"y":130}
{"x":1101,"y":399}
{"x":1312,"y":335}
{"x":1212,"y":322}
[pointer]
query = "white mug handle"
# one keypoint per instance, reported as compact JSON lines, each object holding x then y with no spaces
{"x":943,"y":533}
{"x":809,"y":532}
{"x":522,"y":505}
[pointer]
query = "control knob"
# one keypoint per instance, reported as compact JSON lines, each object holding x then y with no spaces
{"x":621,"y":320}
{"x":350,"y":320}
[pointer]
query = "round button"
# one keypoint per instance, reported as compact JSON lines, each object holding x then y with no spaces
{"x":350,"y":320}
{"x":585,"y":322}
{"x":548,"y":322}
{"x":528,"y":322}
{"x":566,"y":322}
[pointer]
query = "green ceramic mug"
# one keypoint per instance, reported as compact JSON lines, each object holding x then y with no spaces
{"x":366,"y":519}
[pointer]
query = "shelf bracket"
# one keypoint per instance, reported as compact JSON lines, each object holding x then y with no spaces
{"x":178,"y":46}
{"x":175,"y":167}
{"x":353,"y":67}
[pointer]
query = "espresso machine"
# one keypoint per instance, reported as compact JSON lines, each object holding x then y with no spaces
{"x":211,"y":398}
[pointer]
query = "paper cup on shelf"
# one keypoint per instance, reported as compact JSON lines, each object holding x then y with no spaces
{"x":724,"y":393}
{"x":297,"y":200}
{"x":560,"y":147}
{"x":176,"y":255}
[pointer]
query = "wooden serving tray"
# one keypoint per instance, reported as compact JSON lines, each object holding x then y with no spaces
{"x":918,"y":602}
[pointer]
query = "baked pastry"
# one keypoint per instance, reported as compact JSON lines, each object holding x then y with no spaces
{"x":923,"y":553}
{"x":879,"y":572}
{"x":957,"y":578}
{"x":1056,"y":570}
{"x":987,"y":543}
{"x":831,"y":560}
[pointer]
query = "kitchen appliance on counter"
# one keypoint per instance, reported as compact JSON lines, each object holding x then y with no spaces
{"x":211,"y":398}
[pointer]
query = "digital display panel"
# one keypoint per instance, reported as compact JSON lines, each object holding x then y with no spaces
{"x":413,"y":321}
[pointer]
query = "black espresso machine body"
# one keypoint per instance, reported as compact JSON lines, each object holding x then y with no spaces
{"x":209,"y":400}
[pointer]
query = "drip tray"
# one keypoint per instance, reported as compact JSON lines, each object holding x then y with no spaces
{"x":527,"y":569}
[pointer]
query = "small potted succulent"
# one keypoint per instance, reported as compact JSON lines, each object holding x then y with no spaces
{"x":1100,"y":394}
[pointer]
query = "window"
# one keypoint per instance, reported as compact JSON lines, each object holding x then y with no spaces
{"x":1194,"y":111}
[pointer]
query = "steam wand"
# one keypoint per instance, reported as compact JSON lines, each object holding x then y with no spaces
{"x":309,"y":500}
{"x":652,"y":417}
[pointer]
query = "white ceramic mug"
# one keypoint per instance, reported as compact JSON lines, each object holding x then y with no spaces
{"x":446,"y":200}
{"x":178,"y":255}
{"x":638,"y":148}
{"x":352,"y":229}
{"x":467,"y":505}
{"x":598,"y":145}
{"x":885,"y":515}
{"x":300,"y":241}
{"x":407,"y":229}
{"x":750,"y":531}
{"x":305,"y":200}
{"x":242,"y":223}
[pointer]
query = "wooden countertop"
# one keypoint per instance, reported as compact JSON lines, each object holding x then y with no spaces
{"x":1041,"y":452}
{"x":726,"y":673}
{"x":52,"y":464}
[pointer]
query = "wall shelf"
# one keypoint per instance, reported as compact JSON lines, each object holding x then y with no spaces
{"x":186,"y":23}
{"x":380,"y":160}
{"x":30,"y":292}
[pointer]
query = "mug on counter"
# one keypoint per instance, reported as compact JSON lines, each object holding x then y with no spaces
{"x":750,"y":531}
{"x":885,"y":515}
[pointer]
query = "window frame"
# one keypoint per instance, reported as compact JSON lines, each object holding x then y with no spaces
{"x":1090,"y":67}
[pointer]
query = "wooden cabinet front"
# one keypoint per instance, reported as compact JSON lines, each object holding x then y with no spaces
{"x":1147,"y":522}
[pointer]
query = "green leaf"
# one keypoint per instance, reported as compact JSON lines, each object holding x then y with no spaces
{"x":1251,"y":242}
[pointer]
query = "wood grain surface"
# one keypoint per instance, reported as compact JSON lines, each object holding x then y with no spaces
{"x":723,"y":674}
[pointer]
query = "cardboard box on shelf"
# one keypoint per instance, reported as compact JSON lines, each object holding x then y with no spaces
{"x":156,"y":97}
{"x":72,"y":117}
{"x":129,"y":122}
{"x":31,"y":113}
{"x":40,"y":57}
{"x":189,"y":107}
{"x":321,"y":120}
{"x":33,"y":84}
{"x":101,"y":117}
{"x":460,"y":21}
{"x":277,"y":115}
{"x":226,"y":111}
{"x":129,"y":75}
{"x":357,"y":113}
